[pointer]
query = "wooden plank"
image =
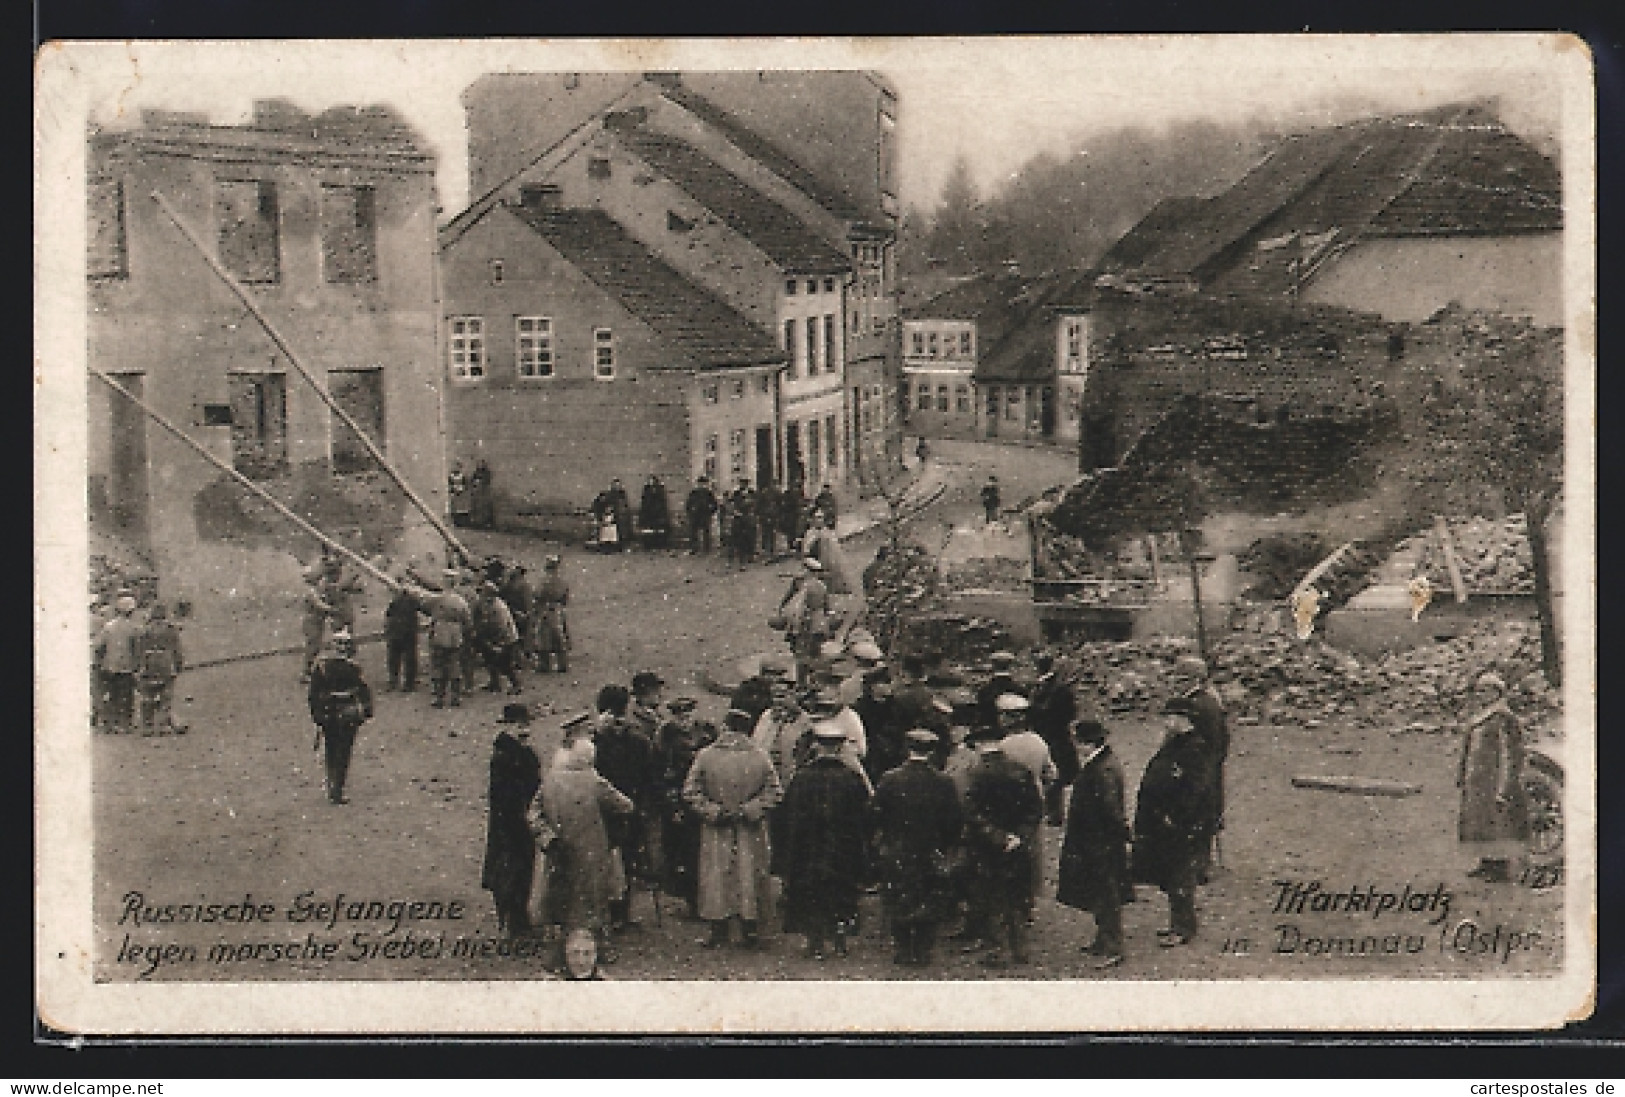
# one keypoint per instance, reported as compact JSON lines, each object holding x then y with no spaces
{"x":1359,"y":786}
{"x":1452,"y":565}
{"x":1318,"y":570}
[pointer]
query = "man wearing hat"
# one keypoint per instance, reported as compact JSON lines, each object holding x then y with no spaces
{"x":115,"y":657}
{"x":805,"y":608}
{"x":451,"y":625}
{"x":401,"y":638}
{"x":498,"y":638}
{"x":161,"y":662}
{"x":826,"y":707}
{"x":1494,"y":821}
{"x":552,"y":632}
{"x":915,"y":822}
{"x":1176,"y":815}
{"x":1190,"y":680}
{"x":1002,"y":681}
{"x":782,"y":725}
{"x":1054,"y":710}
{"x":731,"y":788}
{"x":682,"y":737}
{"x":1003,"y":811}
{"x":991,"y":499}
{"x":701,"y":509}
{"x":317,"y":611}
{"x":516,"y":592}
{"x":1027,"y":747}
{"x":340,"y":702}
{"x":510,"y":847}
{"x":646,"y":719}
{"x":647,"y":687}
{"x":626,"y":760}
{"x":820,"y":835}
{"x":1094,"y":856}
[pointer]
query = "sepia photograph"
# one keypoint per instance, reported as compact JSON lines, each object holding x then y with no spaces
{"x":887,"y":535}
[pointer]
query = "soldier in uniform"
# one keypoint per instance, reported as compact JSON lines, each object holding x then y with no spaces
{"x":340,"y":702}
{"x":552,"y":631}
{"x":1003,"y":811}
{"x":161,"y":662}
{"x":915,"y":821}
{"x":701,"y":509}
{"x":451,"y":625}
{"x":681,"y":739}
{"x":823,"y":859}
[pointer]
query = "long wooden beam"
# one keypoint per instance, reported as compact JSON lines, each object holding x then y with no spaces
{"x":271,"y":500}
{"x":321,"y":390}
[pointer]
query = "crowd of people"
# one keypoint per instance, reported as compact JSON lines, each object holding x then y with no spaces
{"x":862,"y":779}
{"x":750,"y":523}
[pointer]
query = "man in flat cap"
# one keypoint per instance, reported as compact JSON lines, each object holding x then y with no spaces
{"x":1026,"y":746}
{"x":451,"y":627}
{"x":915,"y":822}
{"x":1001,"y":681}
{"x":805,"y":608}
{"x":1094,"y":856}
{"x":1176,"y":815}
{"x":1003,"y":811}
{"x":821,"y":833}
{"x":497,"y":637}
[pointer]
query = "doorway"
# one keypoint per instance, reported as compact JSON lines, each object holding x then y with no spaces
{"x":795,"y":471}
{"x":360,"y":392}
{"x":765,"y":470}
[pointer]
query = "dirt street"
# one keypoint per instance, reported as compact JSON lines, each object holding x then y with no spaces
{"x":233,"y":813}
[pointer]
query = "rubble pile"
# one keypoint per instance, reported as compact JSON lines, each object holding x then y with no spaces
{"x":987,"y":573}
{"x":1277,"y":562}
{"x":1281,"y":679}
{"x":1431,"y":686}
{"x":946,"y":639}
{"x":1494,"y":556}
{"x":902,"y":582}
{"x":1128,"y":677}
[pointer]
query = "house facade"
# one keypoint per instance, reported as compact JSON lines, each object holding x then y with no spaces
{"x":939,"y":357}
{"x":697,"y":171}
{"x":328,"y":221}
{"x":576,"y":356}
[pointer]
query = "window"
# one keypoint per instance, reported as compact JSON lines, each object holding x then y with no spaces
{"x":812,"y":285}
{"x":832,"y":443}
{"x":917,"y":343}
{"x":711,"y":456}
{"x":993,"y":403}
{"x":350,"y":234}
{"x":829,"y":342}
{"x":964,"y":344}
{"x":496,"y":272}
{"x":924,"y":397}
{"x":812,"y":346}
{"x":712,"y":394}
{"x":467,"y":346}
{"x":1074,"y":345}
{"x":108,"y":255}
{"x":791,"y":348}
{"x":829,"y":285}
{"x":1012,"y":405}
{"x":962,"y":399}
{"x":790,"y":287}
{"x":815,"y":450}
{"x":533,"y":340}
{"x":217,"y":415}
{"x":764,"y":384}
{"x":739,"y":390}
{"x":736,"y":452}
{"x":942,"y":397}
{"x":360,"y":392}
{"x":931,"y":345}
{"x":598,"y":167}
{"x":248,"y":230}
{"x":603,"y":354}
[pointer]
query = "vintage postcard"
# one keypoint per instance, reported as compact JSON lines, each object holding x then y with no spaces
{"x":841,"y":536}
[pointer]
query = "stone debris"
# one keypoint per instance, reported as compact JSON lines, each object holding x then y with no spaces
{"x":987,"y":573}
{"x":1493,"y":555}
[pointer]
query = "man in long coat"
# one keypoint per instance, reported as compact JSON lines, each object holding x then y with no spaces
{"x":451,"y":629}
{"x":915,"y":822}
{"x":574,"y":802}
{"x":1494,"y":821}
{"x":701,"y":509}
{"x":768,"y":502}
{"x":498,"y":638}
{"x":1190,"y":681}
{"x":510,"y":848}
{"x":1003,"y":811}
{"x":681,"y":739}
{"x":1094,"y":855}
{"x":626,"y":759}
{"x":1054,"y":709}
{"x":823,"y":859}
{"x":1176,"y":815}
{"x":654,"y":513}
{"x":551,"y":630}
{"x":731,"y":788}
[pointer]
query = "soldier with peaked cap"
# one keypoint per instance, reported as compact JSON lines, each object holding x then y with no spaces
{"x":340,"y":702}
{"x":1003,"y":811}
{"x":682,"y":737}
{"x":820,"y":828}
{"x":731,"y":788}
{"x":915,"y":822}
{"x":451,"y":625}
{"x":805,"y":607}
{"x":552,"y":631}
{"x":510,"y":848}
{"x":160,"y":662}
{"x":1094,"y":856}
{"x":1028,"y":747}
{"x":1002,"y":681}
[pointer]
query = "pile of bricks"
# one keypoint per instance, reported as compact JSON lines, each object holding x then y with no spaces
{"x":1494,"y":556}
